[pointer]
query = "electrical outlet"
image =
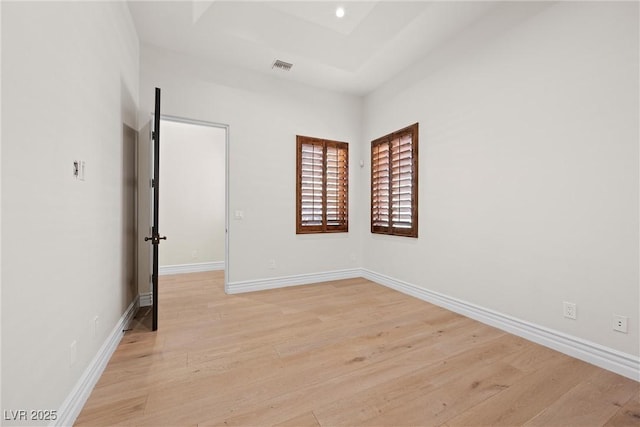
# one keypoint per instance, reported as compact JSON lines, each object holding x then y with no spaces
{"x":620,"y":323}
{"x":272,"y":264}
{"x":569,"y":310}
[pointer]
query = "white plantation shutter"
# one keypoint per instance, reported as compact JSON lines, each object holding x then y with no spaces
{"x":394,"y":182}
{"x":311,"y":185}
{"x":380,"y":179}
{"x":337,"y":184}
{"x":401,"y":185}
{"x":322,"y":186}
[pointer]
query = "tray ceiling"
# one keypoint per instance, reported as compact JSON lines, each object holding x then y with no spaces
{"x":355,"y":54}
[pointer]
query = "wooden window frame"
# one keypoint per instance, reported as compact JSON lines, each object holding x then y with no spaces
{"x":382,"y":223}
{"x":342,"y":220}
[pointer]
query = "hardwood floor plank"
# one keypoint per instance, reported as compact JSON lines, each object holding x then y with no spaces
{"x":627,"y":415}
{"x":122,"y":408}
{"x":377,"y":406}
{"x":591,"y":402}
{"x":450,"y":398}
{"x":305,"y":420}
{"x":340,"y":353}
{"x":306,"y":393}
{"x":526,"y":398}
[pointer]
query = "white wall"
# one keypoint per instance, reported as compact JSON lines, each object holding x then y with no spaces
{"x":192,"y":178}
{"x":528,"y":167}
{"x":69,"y":91}
{"x":264,"y":115}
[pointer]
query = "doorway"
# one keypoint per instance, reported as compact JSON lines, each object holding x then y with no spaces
{"x":193,"y":193}
{"x":146,"y":201}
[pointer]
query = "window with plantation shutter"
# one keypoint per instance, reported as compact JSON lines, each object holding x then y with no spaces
{"x":322,"y":186}
{"x":394,"y":183}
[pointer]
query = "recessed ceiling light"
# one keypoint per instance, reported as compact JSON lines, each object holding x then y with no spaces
{"x":340,"y":12}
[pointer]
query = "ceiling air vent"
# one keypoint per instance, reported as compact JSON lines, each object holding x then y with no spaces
{"x":281,"y":65}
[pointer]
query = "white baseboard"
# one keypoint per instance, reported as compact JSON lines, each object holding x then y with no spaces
{"x":607,"y":358}
{"x":190,"y":268}
{"x":146,"y":299}
{"x":71,"y":407}
{"x":295,"y":280}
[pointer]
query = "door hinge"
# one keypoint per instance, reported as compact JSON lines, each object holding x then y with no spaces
{"x":153,"y":183}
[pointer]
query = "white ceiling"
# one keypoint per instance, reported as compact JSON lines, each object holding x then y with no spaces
{"x":373,"y":42}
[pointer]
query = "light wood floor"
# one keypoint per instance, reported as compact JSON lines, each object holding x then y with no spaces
{"x":340,"y":353}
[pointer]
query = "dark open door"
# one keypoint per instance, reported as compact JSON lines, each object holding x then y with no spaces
{"x":155,"y":231}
